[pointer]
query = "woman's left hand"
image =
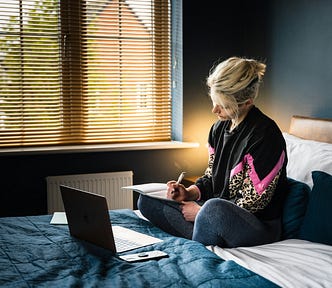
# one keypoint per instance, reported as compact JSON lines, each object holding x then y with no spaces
{"x":189,"y":210}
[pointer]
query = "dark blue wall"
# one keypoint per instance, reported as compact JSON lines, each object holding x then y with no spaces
{"x":300,"y":60}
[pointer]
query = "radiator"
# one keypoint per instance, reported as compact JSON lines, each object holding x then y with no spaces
{"x":106,"y":184}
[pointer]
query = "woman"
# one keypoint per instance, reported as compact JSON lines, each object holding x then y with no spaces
{"x":238,"y":201}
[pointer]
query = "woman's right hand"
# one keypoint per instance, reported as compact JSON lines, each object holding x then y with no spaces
{"x":177,"y":192}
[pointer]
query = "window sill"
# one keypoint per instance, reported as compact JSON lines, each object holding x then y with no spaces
{"x":99,"y":148}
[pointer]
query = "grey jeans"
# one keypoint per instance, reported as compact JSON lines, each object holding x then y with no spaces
{"x":219,"y":222}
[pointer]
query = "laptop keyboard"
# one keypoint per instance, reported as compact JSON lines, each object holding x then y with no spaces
{"x":125,"y":244}
{"x":126,"y":239}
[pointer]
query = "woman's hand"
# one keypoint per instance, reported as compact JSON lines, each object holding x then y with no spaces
{"x":190,"y":210}
{"x":177,"y":191}
{"x":180,"y":193}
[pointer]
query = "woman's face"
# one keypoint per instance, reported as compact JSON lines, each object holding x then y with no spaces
{"x":221,"y":112}
{"x":222,"y":107}
{"x":228,"y":110}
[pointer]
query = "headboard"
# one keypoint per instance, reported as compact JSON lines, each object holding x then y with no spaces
{"x":310,"y":128}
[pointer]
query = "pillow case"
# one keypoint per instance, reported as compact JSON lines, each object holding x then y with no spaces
{"x":305,"y":156}
{"x":317,"y":224}
{"x":295,"y":206}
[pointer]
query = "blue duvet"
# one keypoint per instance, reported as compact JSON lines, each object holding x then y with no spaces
{"x":34,"y":253}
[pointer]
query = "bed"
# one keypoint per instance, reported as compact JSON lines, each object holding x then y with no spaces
{"x":35,"y":253}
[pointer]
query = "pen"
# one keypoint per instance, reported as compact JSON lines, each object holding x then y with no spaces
{"x":180,"y":178}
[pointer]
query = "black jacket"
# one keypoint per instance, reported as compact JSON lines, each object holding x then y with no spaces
{"x":247,"y":165}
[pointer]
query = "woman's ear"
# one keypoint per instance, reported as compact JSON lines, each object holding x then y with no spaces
{"x":249,"y":102}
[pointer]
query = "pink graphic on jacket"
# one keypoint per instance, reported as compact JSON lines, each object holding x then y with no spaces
{"x":260,"y":185}
{"x":210,"y":150}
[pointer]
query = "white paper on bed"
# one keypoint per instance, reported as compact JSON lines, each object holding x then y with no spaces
{"x":59,"y":218}
{"x":305,"y":156}
{"x":289,"y":263}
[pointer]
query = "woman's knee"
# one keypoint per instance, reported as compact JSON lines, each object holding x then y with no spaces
{"x":140,"y":202}
{"x":207,"y":223}
{"x":215,"y":205}
{"x":216,"y":212}
{"x":144,"y":205}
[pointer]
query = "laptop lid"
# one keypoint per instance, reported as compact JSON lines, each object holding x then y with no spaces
{"x":88,"y":217}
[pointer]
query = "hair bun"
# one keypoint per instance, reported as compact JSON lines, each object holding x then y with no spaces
{"x":260,"y":69}
{"x":235,"y":74}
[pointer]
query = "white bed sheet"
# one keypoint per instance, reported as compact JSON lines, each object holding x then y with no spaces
{"x":289,"y":263}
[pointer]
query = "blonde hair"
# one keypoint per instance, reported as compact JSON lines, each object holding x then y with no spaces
{"x":234,"y":81}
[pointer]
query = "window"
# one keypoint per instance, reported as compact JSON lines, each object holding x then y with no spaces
{"x":95,"y":71}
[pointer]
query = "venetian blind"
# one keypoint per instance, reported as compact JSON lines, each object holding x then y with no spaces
{"x":90,"y":72}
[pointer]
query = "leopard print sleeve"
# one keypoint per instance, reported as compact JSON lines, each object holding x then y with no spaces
{"x":250,"y":199}
{"x":248,"y":191}
{"x":204,"y":183}
{"x":208,"y":171}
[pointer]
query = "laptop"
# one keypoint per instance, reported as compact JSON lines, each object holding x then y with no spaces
{"x":88,"y":219}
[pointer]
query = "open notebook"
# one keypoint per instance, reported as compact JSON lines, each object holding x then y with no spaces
{"x":88,"y":219}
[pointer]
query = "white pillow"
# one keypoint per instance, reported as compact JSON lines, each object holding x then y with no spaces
{"x":305,"y":156}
